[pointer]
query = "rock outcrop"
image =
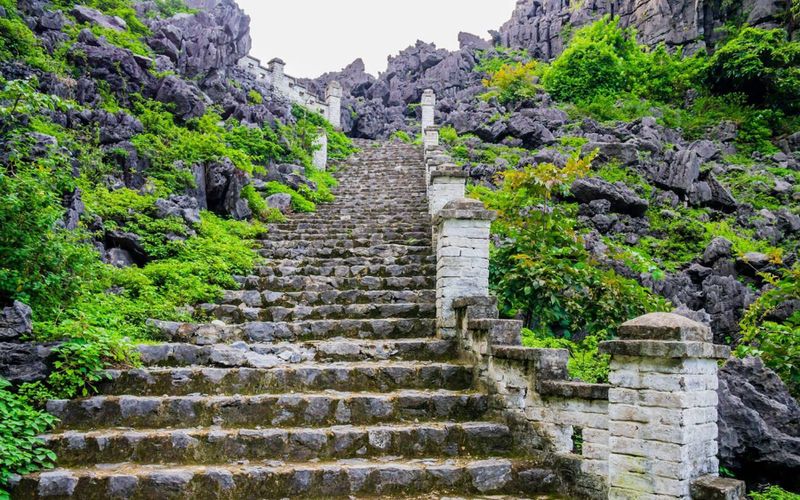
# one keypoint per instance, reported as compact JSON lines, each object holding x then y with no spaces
{"x":759,"y":428}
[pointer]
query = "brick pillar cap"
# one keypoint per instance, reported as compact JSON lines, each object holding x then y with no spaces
{"x":465,"y":208}
{"x":665,"y":327}
{"x":448,"y":170}
{"x":432,"y":128}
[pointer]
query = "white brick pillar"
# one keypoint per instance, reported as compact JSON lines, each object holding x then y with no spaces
{"x":428,"y":107}
{"x":333,"y":98}
{"x":276,"y":68}
{"x":446,"y":183}
{"x":462,"y":258}
{"x":662,"y":407}
{"x":430,"y":138}
{"x":320,"y":158}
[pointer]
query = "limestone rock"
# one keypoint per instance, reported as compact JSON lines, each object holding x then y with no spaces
{"x":759,"y":427}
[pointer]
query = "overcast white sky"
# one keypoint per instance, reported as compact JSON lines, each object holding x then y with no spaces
{"x":316,"y":36}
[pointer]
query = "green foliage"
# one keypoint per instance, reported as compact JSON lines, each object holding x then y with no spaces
{"x":259,"y":206}
{"x":491,"y":61}
{"x":585,"y":361}
{"x":776,"y":342}
{"x":513,"y":82}
{"x":299,"y":203}
{"x":774,"y":493}
{"x":17,"y":41}
{"x":168,"y":8}
{"x":339,"y":145}
{"x":761,"y":64}
{"x":402,"y":136}
{"x":254,"y":97}
{"x":448,"y":135}
{"x":21,"y":451}
{"x":542,"y":272}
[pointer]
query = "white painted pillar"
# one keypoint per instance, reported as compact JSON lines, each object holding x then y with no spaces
{"x":320,"y":157}
{"x":462,"y":258}
{"x":333,"y":98}
{"x":276,"y":68}
{"x":662,"y":407}
{"x":428,"y":108}
{"x":430,"y":139}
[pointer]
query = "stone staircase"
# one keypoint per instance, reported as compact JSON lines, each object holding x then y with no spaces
{"x":321,"y":377}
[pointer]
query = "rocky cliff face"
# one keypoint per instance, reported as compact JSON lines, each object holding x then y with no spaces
{"x":542,"y":25}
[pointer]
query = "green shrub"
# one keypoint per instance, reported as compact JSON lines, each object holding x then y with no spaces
{"x":21,"y":451}
{"x":513,"y":82}
{"x":774,"y":493}
{"x":402,"y":136}
{"x":542,"y":272}
{"x":761,"y":64}
{"x":777,"y":343}
{"x":254,"y":97}
{"x":585,"y":361}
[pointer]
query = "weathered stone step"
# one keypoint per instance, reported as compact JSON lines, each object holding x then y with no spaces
{"x":345,"y":221}
{"x":218,"y":332}
{"x":347,"y":271}
{"x":297,"y":223}
{"x":255,"y":298}
{"x":366,"y":251}
{"x":274,"y":480}
{"x":341,"y":243}
{"x":218,"y":446}
{"x":268,"y":410}
{"x":380,"y":376}
{"x":242,"y":314}
{"x":242,"y":354}
{"x":375,"y":238}
{"x":323,"y":283}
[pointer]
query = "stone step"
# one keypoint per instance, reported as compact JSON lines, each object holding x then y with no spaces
{"x":341,"y":243}
{"x":208,"y":446}
{"x":367,"y":251}
{"x":347,"y":271}
{"x":242,"y":314}
{"x":275,"y":480}
{"x":324,"y":283}
{"x":218,"y":332}
{"x":268,"y":410}
{"x":405,"y":260}
{"x":255,"y":298}
{"x":337,"y":236}
{"x":296,"y":224}
{"x":242,"y":354}
{"x":381,"y":376}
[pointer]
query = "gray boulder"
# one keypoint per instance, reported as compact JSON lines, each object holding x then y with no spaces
{"x":88,"y":15}
{"x":224,"y":183}
{"x":623,"y":200}
{"x":15,"y":321}
{"x":187,"y":100}
{"x":759,"y":425}
{"x":681,"y":173}
{"x":25,"y":362}
{"x":280,"y":201}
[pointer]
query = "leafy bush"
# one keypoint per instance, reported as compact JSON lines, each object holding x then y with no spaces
{"x":774,"y":493}
{"x":761,"y":64}
{"x":774,"y":339}
{"x":585,"y":361}
{"x":21,"y":451}
{"x":541,"y":271}
{"x":513,"y":82}
{"x":402,"y":136}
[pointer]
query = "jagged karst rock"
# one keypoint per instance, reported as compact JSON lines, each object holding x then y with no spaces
{"x":15,"y":321}
{"x":759,"y":426}
{"x":130,"y":243}
{"x":280,"y":201}
{"x":224,"y":183}
{"x":25,"y":362}
{"x":186,"y":99}
{"x":89,"y":15}
{"x":217,"y":36}
{"x":184,"y":207}
{"x":620,"y":197}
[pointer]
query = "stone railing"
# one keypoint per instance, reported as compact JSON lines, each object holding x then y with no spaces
{"x":294,"y":91}
{"x":649,"y":434}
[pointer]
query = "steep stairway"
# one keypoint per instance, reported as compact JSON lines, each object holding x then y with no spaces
{"x":321,"y":377}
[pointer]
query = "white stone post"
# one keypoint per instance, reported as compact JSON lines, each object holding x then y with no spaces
{"x":662,"y":407}
{"x":462,"y":258}
{"x":276,"y":68}
{"x":320,"y":158}
{"x":447,"y":183}
{"x":333,"y":98}
{"x":430,"y":138}
{"x":428,"y":107}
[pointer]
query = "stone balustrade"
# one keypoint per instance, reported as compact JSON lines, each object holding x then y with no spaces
{"x":320,"y":153}
{"x":651,"y":433}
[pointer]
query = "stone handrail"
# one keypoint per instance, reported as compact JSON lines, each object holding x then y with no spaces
{"x":649,"y":434}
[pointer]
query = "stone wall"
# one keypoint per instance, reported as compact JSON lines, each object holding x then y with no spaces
{"x":649,"y":434}
{"x":291,"y":88}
